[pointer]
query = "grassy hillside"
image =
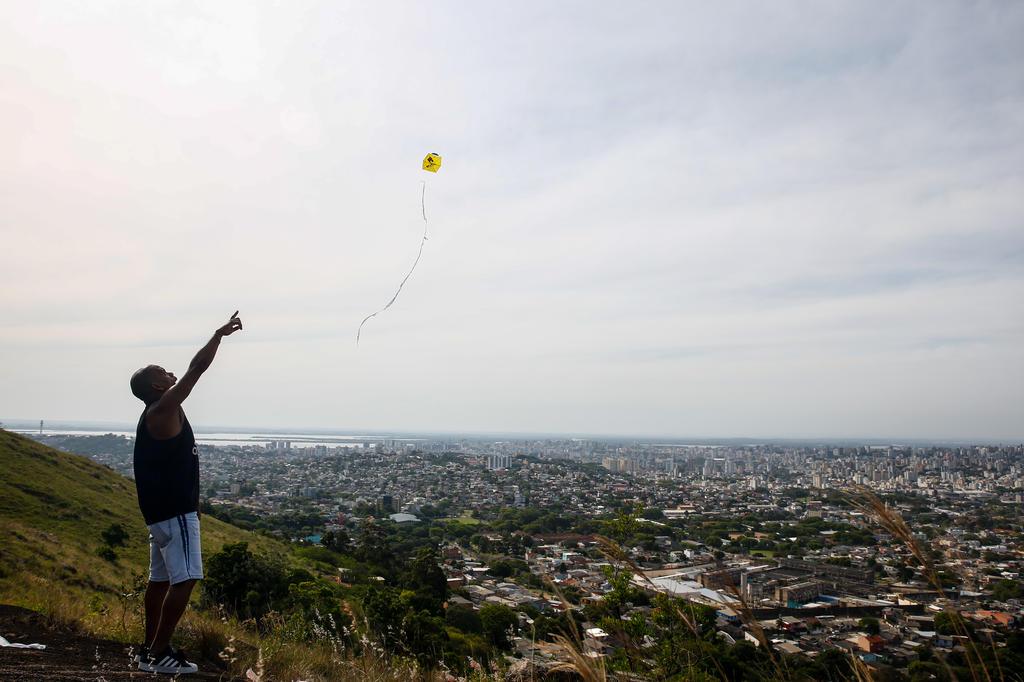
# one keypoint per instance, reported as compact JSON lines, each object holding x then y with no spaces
{"x":53,"y":507}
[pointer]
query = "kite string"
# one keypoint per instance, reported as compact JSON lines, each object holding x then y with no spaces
{"x":423,"y":210}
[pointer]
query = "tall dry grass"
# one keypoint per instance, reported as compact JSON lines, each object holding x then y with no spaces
{"x":569,"y":648}
{"x":873,"y":507}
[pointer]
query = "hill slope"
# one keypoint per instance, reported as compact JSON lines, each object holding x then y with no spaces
{"x":53,"y":508}
{"x":55,"y":589}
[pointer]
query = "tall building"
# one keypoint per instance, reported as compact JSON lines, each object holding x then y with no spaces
{"x":499,"y":462}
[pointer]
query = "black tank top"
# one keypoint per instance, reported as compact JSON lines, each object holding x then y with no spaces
{"x":166,"y":473}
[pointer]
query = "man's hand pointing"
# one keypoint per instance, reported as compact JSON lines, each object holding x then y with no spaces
{"x":233,"y":325}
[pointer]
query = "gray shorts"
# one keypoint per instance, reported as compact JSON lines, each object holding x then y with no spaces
{"x":174,"y":550}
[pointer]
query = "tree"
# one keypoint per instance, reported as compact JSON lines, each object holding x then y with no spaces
{"x":653,"y":514}
{"x":336,"y":540}
{"x":870,"y":625}
{"x":497,"y":620}
{"x":624,"y":525}
{"x":464,"y":618}
{"x":1007,"y":589}
{"x":384,"y":613}
{"x":506,"y":568}
{"x":427,"y":581}
{"x":425,"y":637}
{"x":622,"y":591}
{"x":373,"y":547}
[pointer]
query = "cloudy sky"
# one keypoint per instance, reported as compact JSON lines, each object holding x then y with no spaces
{"x":653,"y":218}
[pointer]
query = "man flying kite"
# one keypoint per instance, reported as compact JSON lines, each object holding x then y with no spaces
{"x":167,"y":481}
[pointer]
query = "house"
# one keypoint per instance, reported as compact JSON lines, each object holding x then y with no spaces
{"x":869,"y":643}
{"x":1000,"y":618}
{"x":788,"y":648}
{"x":728,"y":615}
{"x":791,"y":624}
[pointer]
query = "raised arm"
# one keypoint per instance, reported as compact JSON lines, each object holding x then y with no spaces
{"x":166,"y":408}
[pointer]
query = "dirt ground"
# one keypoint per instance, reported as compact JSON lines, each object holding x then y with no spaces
{"x":70,"y":655}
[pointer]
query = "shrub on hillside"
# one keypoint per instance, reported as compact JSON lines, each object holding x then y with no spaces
{"x":115,"y":535}
{"x":315,"y":607}
{"x":248,"y":585}
{"x":245,"y":584}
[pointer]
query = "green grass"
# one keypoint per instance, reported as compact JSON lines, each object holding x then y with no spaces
{"x":53,"y":507}
{"x":464,"y":519}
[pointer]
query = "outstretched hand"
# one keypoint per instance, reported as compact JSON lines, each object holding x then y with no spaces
{"x":233,"y":325}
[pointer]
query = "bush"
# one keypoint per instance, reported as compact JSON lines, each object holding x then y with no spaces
{"x":317,"y":606}
{"x":107,"y":553}
{"x":247,"y":585}
{"x":115,"y":535}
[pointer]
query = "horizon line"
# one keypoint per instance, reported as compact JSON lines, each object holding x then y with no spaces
{"x":648,"y":438}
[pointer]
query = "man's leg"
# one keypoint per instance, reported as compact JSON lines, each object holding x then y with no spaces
{"x":173,"y":607}
{"x":154,"y":601}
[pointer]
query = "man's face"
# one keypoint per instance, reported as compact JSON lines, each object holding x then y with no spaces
{"x":161,"y":379}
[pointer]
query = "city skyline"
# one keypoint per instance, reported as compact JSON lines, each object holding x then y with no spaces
{"x":60,"y":426}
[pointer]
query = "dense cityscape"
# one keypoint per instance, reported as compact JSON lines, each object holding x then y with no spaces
{"x":806,"y":549}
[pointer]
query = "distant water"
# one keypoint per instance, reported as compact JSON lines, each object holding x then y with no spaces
{"x":258,"y":439}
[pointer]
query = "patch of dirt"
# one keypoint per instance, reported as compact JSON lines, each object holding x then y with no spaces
{"x":71,"y":655}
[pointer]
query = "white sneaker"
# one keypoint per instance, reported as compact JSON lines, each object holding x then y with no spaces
{"x":171,"y":661}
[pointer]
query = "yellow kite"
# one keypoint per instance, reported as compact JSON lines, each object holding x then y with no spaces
{"x":432,"y":162}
